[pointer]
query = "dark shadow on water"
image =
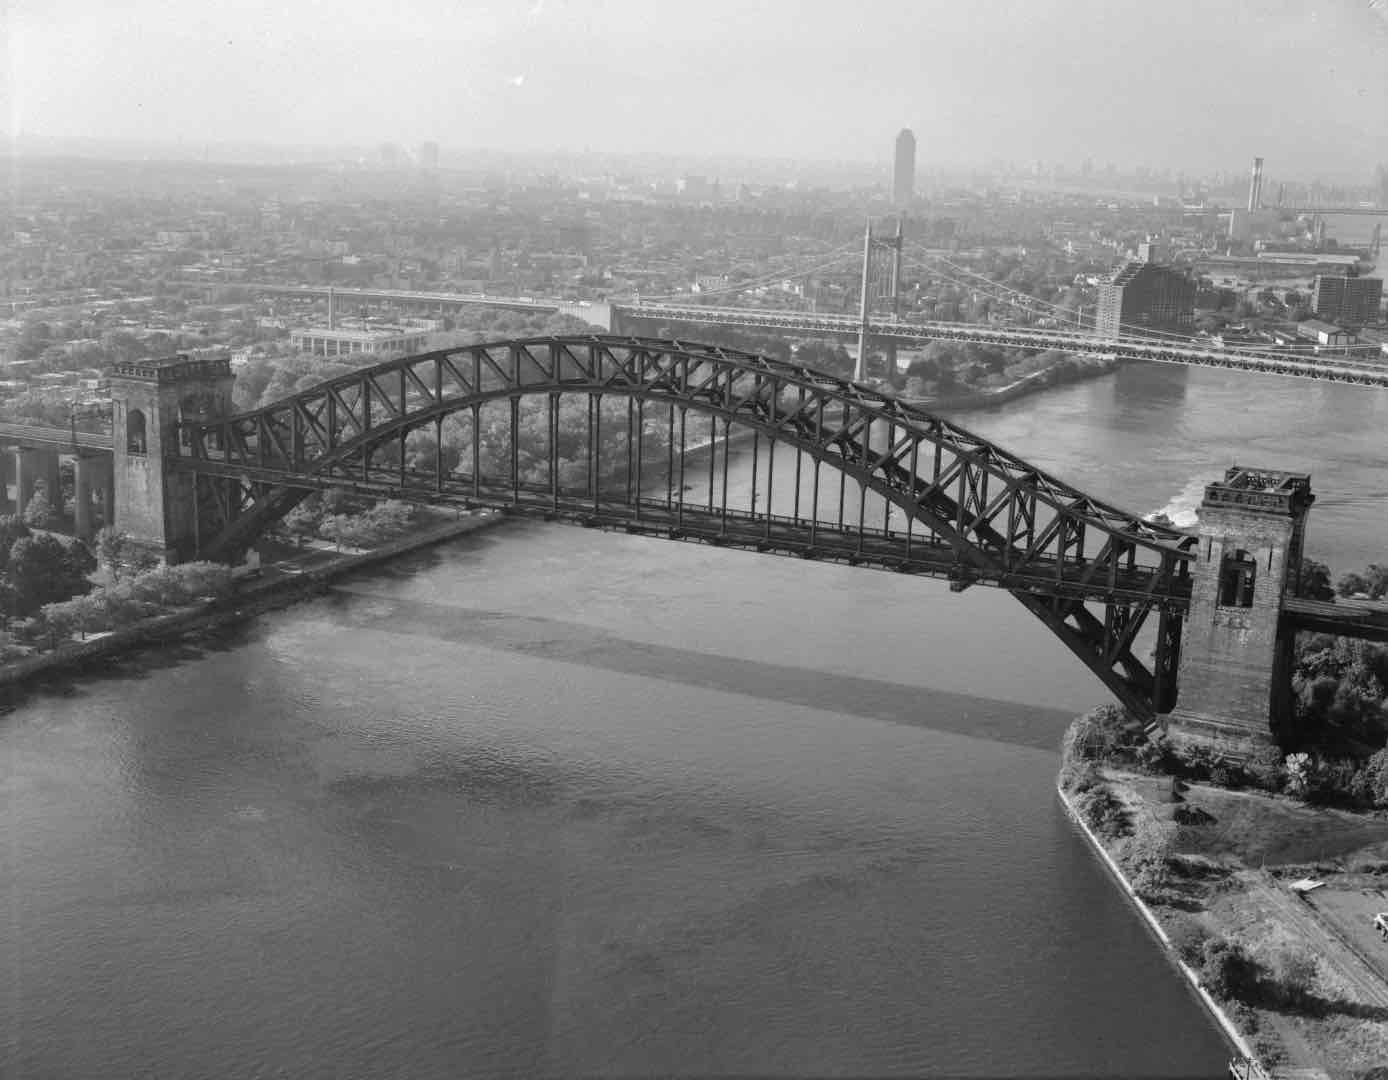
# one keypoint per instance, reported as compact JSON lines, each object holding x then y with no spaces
{"x":573,"y":643}
{"x":1034,"y":727}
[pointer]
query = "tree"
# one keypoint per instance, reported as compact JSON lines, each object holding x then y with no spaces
{"x":1375,"y":773}
{"x":1352,"y":584}
{"x":1314,"y":581}
{"x":303,"y":520}
{"x":39,"y":513}
{"x":44,"y":569}
{"x":1300,"y":774}
{"x":1147,"y":854}
{"x":118,"y":556}
{"x":1295,"y":969}
{"x":1189,"y":938}
{"x":1227,"y":971}
{"x":9,"y":600}
{"x":55,"y":628}
{"x":339,"y":528}
{"x":12,"y":528}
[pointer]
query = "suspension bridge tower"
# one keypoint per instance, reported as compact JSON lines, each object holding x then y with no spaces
{"x":881,"y":292}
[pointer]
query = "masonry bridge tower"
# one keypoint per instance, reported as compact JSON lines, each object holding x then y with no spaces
{"x":155,"y":504}
{"x":1236,"y":653}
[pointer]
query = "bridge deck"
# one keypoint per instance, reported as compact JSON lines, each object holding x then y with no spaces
{"x":913,"y":552}
{"x":46,"y":437}
{"x":1346,"y":619}
{"x":1329,"y":368}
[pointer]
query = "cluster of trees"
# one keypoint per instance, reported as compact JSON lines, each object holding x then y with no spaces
{"x":1108,"y":736}
{"x":1340,"y":690}
{"x":125,"y":598}
{"x":954,"y":367}
{"x":1340,"y":685}
{"x":36,"y":569}
{"x":1372,"y":582}
{"x":348,"y":520}
{"x":1316,"y":582}
{"x":270,"y":379}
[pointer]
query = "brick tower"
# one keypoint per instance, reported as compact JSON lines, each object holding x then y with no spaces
{"x":1235,"y":653}
{"x":154,"y":502}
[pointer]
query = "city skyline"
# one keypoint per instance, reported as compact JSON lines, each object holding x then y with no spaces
{"x":1058,"y":80}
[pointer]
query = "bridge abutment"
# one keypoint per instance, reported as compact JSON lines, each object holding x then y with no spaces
{"x":154,"y":504}
{"x":1236,"y":652}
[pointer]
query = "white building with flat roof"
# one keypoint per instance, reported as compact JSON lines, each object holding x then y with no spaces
{"x":323,"y":342}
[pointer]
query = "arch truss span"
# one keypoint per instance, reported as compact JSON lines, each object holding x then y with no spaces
{"x":716,"y":445}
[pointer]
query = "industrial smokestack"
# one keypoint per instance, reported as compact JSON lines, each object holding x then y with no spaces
{"x":1255,"y":185}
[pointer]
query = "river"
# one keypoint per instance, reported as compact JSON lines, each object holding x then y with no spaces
{"x":550,"y":801}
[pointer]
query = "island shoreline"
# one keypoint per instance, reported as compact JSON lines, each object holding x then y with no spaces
{"x":1237,"y":1039}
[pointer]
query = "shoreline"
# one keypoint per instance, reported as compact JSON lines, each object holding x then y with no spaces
{"x":1300,"y":984}
{"x":1024,"y":387}
{"x":1237,"y":1039}
{"x":249,"y":601}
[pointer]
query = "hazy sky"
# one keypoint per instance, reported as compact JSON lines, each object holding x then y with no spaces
{"x":1186,"y":83}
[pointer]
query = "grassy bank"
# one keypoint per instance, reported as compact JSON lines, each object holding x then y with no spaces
{"x":1302,"y":976}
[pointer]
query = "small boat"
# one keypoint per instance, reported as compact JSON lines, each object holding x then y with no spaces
{"x":1160,"y":519}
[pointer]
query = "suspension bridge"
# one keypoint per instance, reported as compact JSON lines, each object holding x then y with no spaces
{"x":884,"y":262}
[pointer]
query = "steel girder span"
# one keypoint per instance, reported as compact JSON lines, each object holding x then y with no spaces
{"x":636,"y":433}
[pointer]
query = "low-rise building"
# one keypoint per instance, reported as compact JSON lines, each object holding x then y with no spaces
{"x":710,"y":283}
{"x":1324,"y":333}
{"x":323,"y":342}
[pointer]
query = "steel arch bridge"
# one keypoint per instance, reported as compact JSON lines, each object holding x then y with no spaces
{"x":636,"y":433}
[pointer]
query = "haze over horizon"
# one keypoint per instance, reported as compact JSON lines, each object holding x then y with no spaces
{"x":1182,"y":85}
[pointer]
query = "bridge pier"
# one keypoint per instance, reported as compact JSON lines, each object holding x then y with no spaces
{"x":30,"y":467}
{"x":107,"y":474}
{"x":90,"y":473}
{"x":1236,"y":652}
{"x":9,"y":494}
{"x":25,"y":477}
{"x":154,"y":503}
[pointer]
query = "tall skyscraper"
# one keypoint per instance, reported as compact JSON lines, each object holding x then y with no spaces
{"x":904,"y":171}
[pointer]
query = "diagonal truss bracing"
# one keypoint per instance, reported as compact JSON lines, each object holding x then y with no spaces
{"x":645,"y":446}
